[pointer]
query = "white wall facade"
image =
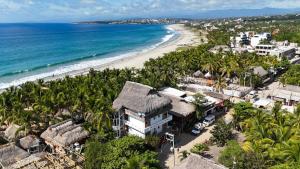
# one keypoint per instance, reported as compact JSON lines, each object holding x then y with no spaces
{"x":154,"y":120}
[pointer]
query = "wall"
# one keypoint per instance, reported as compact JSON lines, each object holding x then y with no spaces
{"x":155,"y":120}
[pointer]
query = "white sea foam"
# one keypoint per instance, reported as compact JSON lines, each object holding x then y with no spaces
{"x":86,"y":64}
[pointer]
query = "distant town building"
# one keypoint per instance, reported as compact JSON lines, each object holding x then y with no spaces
{"x":258,"y":38}
{"x":141,"y":111}
{"x":279,"y":52}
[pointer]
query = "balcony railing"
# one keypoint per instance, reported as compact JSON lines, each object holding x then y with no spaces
{"x":163,"y":121}
{"x":147,"y":129}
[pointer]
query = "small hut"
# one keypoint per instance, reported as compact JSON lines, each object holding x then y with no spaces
{"x":63,"y":135}
{"x":10,"y":154}
{"x":11,"y":132}
{"x":30,"y":143}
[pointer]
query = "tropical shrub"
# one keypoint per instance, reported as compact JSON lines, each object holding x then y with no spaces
{"x":200,"y":149}
{"x":113,"y":154}
{"x":221,"y":133}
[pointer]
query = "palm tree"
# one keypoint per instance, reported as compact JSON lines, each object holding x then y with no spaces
{"x":135,"y":162}
{"x":220,"y":84}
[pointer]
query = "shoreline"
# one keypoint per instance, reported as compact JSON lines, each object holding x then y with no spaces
{"x":183,"y":37}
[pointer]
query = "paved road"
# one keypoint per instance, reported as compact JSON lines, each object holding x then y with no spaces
{"x":186,"y":141}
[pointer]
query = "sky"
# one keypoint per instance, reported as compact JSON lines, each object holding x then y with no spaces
{"x":83,"y":10}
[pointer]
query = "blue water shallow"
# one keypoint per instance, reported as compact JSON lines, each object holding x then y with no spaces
{"x":30,"y":49}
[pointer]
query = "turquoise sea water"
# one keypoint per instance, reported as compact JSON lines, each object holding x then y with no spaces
{"x":32,"y":51}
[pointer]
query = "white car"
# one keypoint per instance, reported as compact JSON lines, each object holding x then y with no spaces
{"x":197,"y":128}
{"x":208,"y":120}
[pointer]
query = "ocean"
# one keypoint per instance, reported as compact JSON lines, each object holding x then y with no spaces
{"x":34,"y":51}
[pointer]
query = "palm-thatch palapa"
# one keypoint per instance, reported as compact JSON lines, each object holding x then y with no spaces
{"x":140,"y":98}
{"x":10,"y":154}
{"x":62,"y":135}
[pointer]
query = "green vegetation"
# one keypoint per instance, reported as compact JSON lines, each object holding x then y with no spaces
{"x":183,"y":155}
{"x":200,"y":149}
{"x":221,"y":133}
{"x":91,"y":96}
{"x":292,"y":76}
{"x":232,"y":153}
{"x":199,"y":100}
{"x":272,"y":139}
{"x":126,"y":152}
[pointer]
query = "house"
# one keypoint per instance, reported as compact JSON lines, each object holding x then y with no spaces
{"x":289,"y":95}
{"x":194,"y":161}
{"x":261,"y":72}
{"x":10,"y":154}
{"x":218,"y":100}
{"x":141,"y":111}
{"x":60,"y":137}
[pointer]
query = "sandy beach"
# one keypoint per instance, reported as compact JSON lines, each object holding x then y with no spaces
{"x":184,"y":37}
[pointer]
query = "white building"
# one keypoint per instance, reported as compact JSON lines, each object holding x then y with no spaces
{"x":141,"y":111}
{"x":256,"y":39}
{"x":264,"y":50}
{"x":272,"y":50}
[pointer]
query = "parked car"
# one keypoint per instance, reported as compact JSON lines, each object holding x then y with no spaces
{"x":208,"y":120}
{"x":197,"y":128}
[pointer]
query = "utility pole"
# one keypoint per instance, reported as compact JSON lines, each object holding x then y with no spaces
{"x":171,"y":137}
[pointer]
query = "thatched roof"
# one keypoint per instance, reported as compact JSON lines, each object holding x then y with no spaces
{"x":260,"y":71}
{"x":11,"y":131}
{"x":28,"y":141}
{"x":10,"y":154}
{"x":180,"y":107}
{"x":194,"y":161}
{"x":140,"y":98}
{"x":64,"y":134}
{"x":25,"y":162}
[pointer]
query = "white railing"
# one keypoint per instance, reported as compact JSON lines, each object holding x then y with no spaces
{"x":161,"y":122}
{"x":147,"y":129}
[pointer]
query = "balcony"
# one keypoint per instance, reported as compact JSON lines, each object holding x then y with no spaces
{"x":147,"y":129}
{"x":163,"y":121}
{"x":136,"y":127}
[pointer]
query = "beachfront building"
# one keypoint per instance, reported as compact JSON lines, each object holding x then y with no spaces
{"x":64,"y":136}
{"x":141,"y":111}
{"x":279,"y":51}
{"x":289,"y":95}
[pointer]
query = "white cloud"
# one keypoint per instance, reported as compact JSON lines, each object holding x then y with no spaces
{"x":78,"y":9}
